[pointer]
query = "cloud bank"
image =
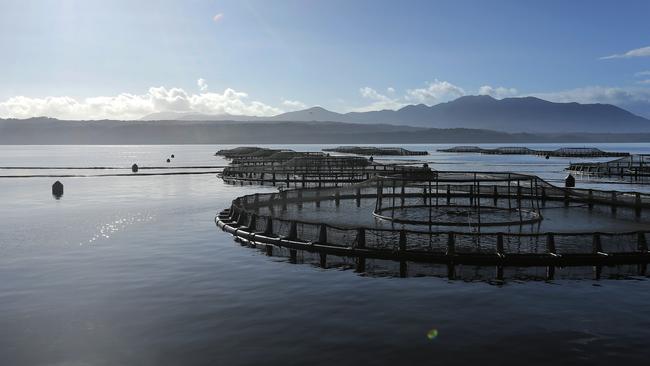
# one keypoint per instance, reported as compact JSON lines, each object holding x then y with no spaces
{"x":127,"y":106}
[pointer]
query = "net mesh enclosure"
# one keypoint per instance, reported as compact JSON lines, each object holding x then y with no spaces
{"x":289,"y":168}
{"x":414,"y":214}
{"x":635,"y":168}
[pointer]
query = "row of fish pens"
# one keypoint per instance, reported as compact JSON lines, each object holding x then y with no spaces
{"x":565,"y":152}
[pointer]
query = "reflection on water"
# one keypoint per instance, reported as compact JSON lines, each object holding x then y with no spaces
{"x":161,"y":285}
{"x":104,"y":231}
{"x":459,"y":272}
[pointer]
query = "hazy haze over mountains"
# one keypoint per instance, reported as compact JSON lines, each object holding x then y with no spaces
{"x":527,"y":114}
{"x":466,"y":119}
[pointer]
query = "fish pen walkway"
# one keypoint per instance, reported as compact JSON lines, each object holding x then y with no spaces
{"x":451,"y":218}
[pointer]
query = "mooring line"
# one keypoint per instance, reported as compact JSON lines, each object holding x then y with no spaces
{"x":108,"y":167}
{"x":106,"y":175}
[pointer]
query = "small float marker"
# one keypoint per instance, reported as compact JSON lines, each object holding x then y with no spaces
{"x":134,"y":168}
{"x":168,"y":160}
{"x":569,"y":181}
{"x":57,"y":189}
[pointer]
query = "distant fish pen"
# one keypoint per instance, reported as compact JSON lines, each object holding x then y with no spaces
{"x":565,"y":152}
{"x":449,"y":218}
{"x":635,"y":168}
{"x":376,"y":151}
{"x":303,"y":169}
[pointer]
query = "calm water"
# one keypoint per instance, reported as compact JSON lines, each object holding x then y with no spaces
{"x":133,"y":271}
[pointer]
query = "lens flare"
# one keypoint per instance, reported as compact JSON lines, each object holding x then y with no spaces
{"x":433,"y":333}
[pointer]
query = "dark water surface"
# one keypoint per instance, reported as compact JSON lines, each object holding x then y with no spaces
{"x":133,"y":271}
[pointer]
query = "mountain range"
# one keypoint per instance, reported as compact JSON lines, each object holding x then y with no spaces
{"x":525,"y":114}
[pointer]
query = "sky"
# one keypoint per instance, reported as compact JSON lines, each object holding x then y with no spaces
{"x":118,"y":59}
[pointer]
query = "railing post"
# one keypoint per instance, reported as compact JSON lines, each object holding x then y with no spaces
{"x":337,"y":198}
{"x":424,"y":195}
{"x":495,"y":195}
{"x":451,"y":244}
{"x":252,"y":222}
{"x":614,"y":199}
{"x":500,"y":250}
{"x":358,"y":194}
{"x":361,"y":238}
{"x":323,"y":259}
{"x":268,"y":231}
{"x":293,"y":255}
{"x":597,"y":245}
{"x":471,"y":195}
{"x":591,"y":199}
{"x":402,"y":241}
{"x":283,"y":197}
{"x":322,"y":235}
{"x":637,"y":204}
{"x":293,"y":231}
{"x":550,"y":243}
{"x":242,"y":218}
{"x":233,"y":212}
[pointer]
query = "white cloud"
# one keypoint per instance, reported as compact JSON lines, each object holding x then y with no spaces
{"x":379,"y":101}
{"x":498,"y":92}
{"x":203,"y":85}
{"x":293,"y":105}
{"x":434,"y":93}
{"x":129,"y":106}
{"x":638,"y":52}
{"x":370,"y":93}
{"x":642,"y":73}
{"x":646,"y":81}
{"x":174,"y":99}
{"x":217,"y":18}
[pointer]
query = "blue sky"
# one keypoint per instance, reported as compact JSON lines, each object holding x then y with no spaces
{"x":123,"y":59}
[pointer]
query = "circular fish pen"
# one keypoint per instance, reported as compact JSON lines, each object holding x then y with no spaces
{"x":457,"y":199}
{"x":292,"y":169}
{"x":450,"y":218}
